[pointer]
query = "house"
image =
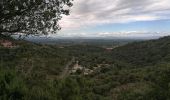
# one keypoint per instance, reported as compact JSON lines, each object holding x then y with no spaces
{"x":109,"y":49}
{"x":76,"y":67}
{"x":88,"y":71}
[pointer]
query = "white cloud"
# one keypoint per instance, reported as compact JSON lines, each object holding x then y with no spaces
{"x":122,"y":34}
{"x":87,"y":13}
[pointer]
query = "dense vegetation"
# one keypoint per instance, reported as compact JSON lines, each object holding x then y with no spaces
{"x":136,"y":71}
{"x":32,"y":16}
{"x":144,"y":53}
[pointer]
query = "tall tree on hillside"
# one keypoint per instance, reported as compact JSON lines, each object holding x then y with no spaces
{"x":32,"y":16}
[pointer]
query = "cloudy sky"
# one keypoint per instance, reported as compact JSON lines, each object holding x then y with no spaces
{"x":117,"y":18}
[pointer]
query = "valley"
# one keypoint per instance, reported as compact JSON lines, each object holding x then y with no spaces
{"x":133,"y":71}
{"x":84,"y":50}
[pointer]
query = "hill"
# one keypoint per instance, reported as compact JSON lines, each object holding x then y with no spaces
{"x":135,"y":71}
{"x":144,"y":53}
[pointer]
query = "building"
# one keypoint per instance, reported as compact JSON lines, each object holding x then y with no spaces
{"x":109,"y":49}
{"x":76,"y":67}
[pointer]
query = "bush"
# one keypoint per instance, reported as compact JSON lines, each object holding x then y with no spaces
{"x":11,"y":86}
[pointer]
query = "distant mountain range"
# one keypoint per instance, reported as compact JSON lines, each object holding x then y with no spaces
{"x":88,"y":41}
{"x":114,"y":35}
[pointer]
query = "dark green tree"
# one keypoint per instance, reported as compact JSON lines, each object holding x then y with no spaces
{"x":32,"y":16}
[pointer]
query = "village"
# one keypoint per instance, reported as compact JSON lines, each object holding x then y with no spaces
{"x":79,"y":69}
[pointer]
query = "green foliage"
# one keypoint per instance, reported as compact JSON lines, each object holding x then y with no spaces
{"x":12,"y":86}
{"x":32,"y":16}
{"x":144,"y":53}
{"x":32,"y":72}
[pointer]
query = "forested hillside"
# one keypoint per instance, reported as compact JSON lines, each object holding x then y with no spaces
{"x":144,"y":53}
{"x":136,"y":71}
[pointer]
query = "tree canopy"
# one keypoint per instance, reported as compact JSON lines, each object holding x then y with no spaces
{"x":32,"y":16}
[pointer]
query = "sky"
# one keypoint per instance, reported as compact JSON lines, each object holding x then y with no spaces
{"x":117,"y":18}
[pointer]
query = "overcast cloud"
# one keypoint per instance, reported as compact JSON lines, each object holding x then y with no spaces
{"x":87,"y":13}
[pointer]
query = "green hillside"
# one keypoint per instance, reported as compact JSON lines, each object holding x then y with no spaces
{"x":136,"y":71}
{"x":144,"y":53}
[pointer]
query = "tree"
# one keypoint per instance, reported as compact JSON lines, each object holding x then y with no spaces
{"x":32,"y":16}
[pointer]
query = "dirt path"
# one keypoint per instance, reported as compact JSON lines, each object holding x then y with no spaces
{"x":65,"y":72}
{"x":30,"y":68}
